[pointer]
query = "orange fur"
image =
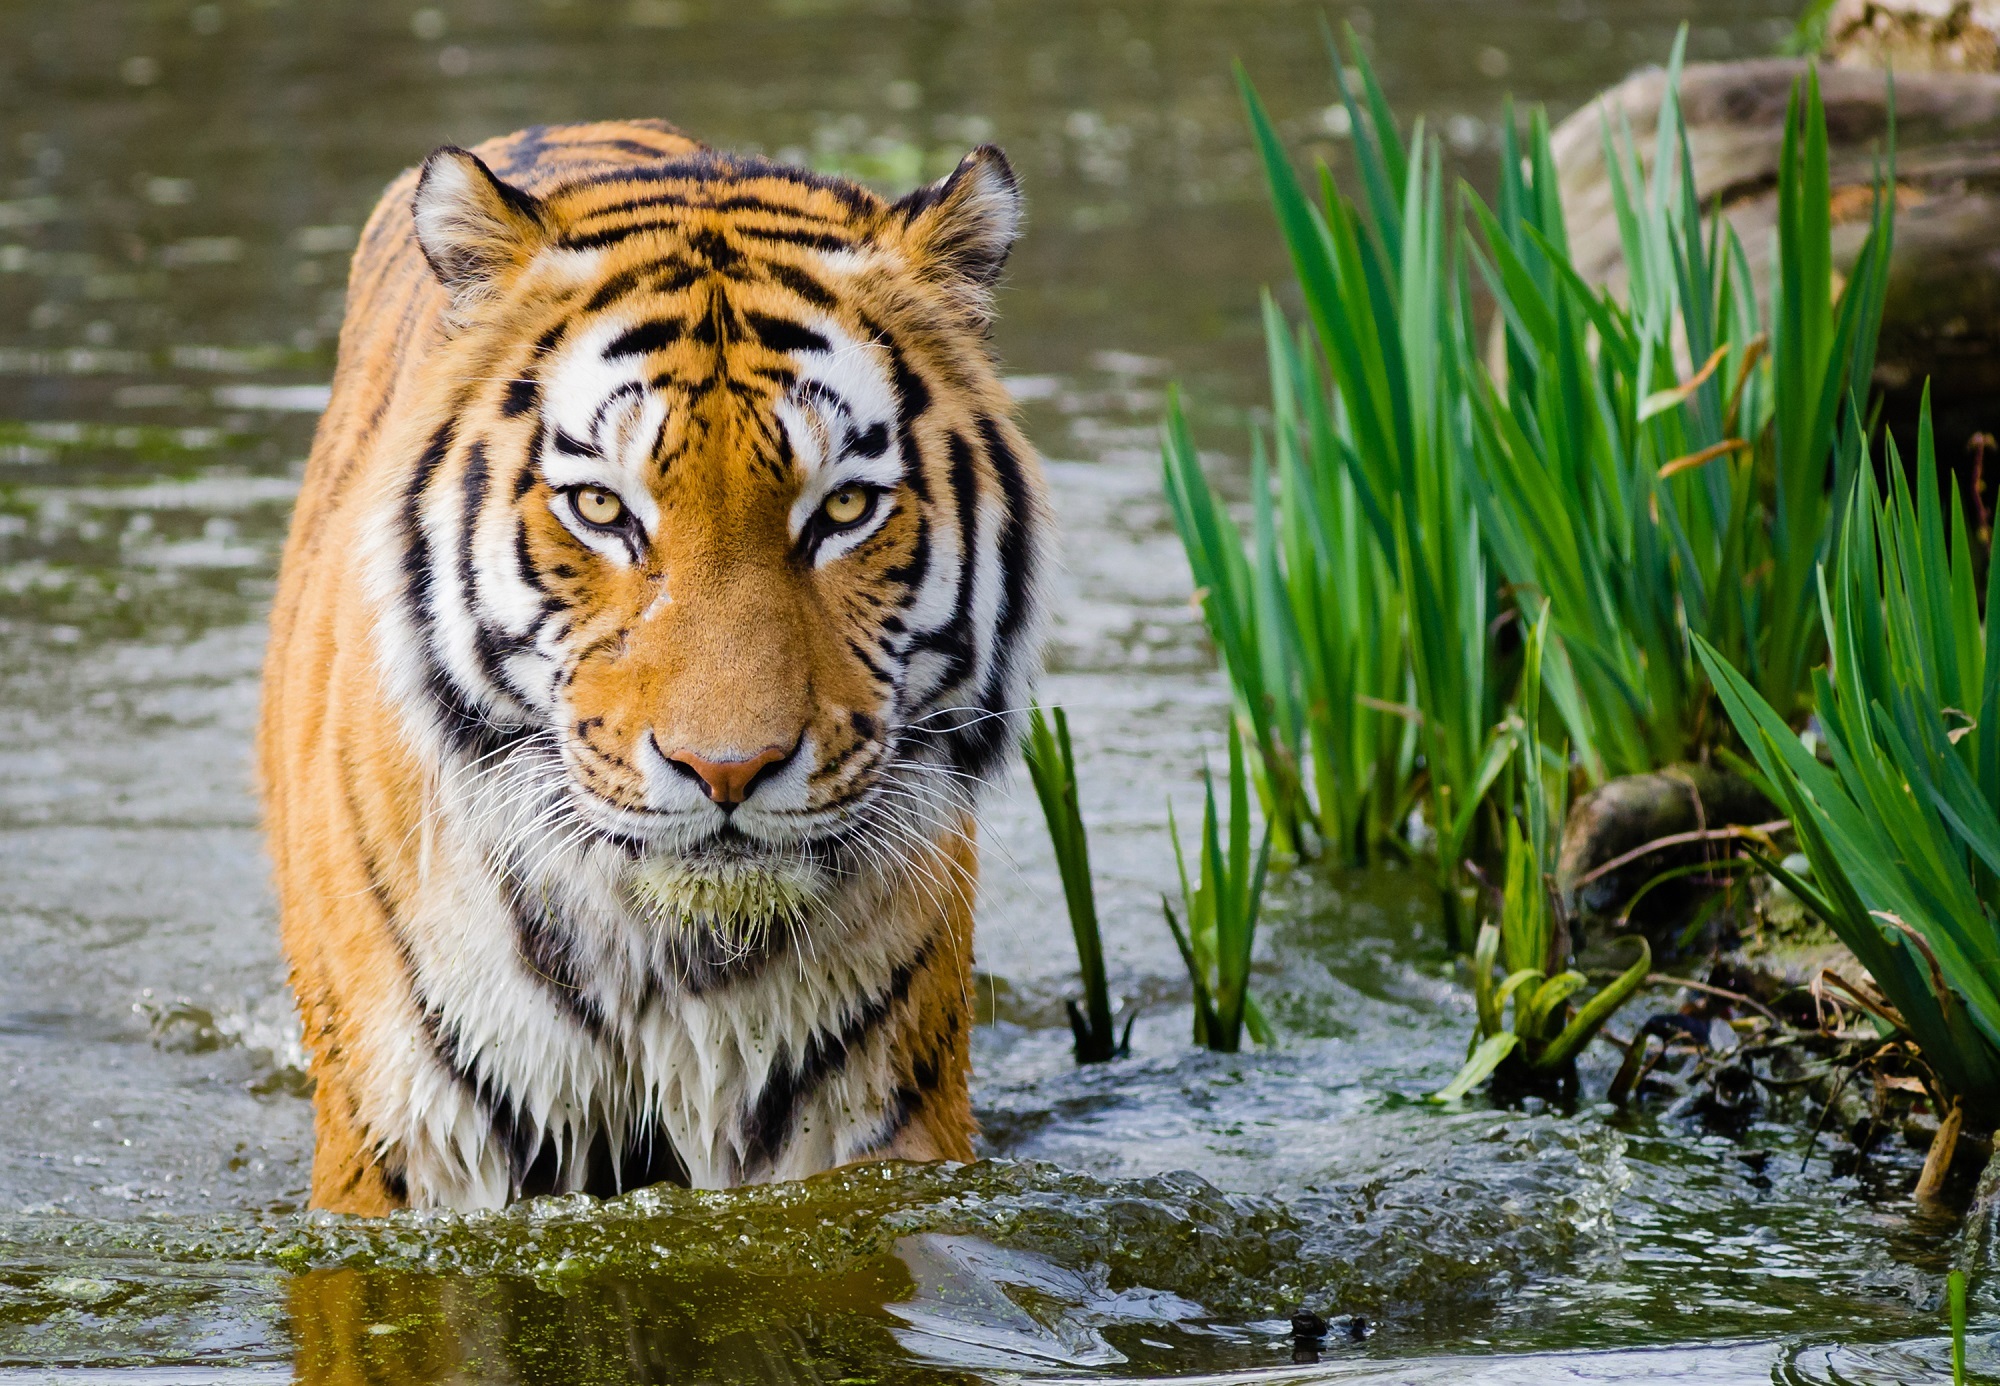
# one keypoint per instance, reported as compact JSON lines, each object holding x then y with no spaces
{"x":712,"y":629}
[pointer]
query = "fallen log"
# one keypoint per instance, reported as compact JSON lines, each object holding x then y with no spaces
{"x":1914,"y":35}
{"x":1942,"y":318}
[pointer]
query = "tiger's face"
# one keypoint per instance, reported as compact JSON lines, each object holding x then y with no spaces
{"x":729,"y":541}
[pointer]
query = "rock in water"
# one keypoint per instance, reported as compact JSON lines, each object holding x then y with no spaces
{"x":1632,"y":810}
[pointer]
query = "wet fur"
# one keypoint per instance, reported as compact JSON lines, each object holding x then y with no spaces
{"x":469,"y":699}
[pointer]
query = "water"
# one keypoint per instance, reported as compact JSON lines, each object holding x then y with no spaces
{"x":181,"y":183}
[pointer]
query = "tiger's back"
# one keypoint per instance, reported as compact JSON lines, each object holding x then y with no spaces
{"x":660,"y":591}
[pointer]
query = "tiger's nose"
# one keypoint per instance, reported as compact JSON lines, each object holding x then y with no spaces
{"x":729,"y":782}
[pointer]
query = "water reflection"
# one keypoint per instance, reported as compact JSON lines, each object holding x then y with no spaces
{"x":393,"y":1326}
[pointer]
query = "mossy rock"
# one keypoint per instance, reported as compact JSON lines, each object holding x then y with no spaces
{"x":1624,"y":814}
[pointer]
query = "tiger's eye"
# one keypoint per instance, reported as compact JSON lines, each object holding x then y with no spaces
{"x":846,"y":505}
{"x":599,"y":507}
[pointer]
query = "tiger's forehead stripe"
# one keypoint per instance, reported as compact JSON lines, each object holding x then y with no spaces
{"x":747,"y":218}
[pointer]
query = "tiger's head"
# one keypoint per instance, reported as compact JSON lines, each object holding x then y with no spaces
{"x":720,"y":562}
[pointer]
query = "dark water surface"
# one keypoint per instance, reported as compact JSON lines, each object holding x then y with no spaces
{"x":179,"y":186}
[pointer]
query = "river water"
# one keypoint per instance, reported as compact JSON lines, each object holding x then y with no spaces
{"x":179,"y":186}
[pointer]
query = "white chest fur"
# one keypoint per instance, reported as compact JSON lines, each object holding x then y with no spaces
{"x":550,"y":1028}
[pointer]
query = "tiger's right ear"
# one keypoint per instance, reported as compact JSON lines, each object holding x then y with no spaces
{"x":471,"y":226}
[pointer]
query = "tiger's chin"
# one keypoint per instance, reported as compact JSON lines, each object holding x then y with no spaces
{"x":736,"y":898}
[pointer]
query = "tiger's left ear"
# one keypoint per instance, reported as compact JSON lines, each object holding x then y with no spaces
{"x":472,"y":227}
{"x":958,"y":231}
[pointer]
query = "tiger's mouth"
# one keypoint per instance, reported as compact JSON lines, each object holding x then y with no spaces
{"x":729,"y":887}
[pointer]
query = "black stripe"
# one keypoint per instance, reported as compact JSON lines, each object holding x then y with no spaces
{"x":415,"y":558}
{"x":491,"y":644}
{"x":812,"y":240}
{"x":522,"y":395}
{"x":783,"y":377}
{"x":912,"y":573}
{"x":521,"y":158}
{"x":1013,"y":543}
{"x":872,"y":441}
{"x":634,"y":204}
{"x":800,"y":283}
{"x":979,"y":743}
{"x":825,"y":1056}
{"x":524,"y":559}
{"x":782,"y":334}
{"x":597,"y":240}
{"x":750,"y":202}
{"x":953,"y":639}
{"x":868,"y":662}
{"x":656,"y":335}
{"x":462,"y":726}
{"x":378,"y":888}
{"x":629,"y":390}
{"x":706,"y":330}
{"x":677,"y":274}
{"x":714,"y":247}
{"x":477,"y":479}
{"x":708,"y":166}
{"x":531,"y":471}
{"x":615,"y":288}
{"x":548,"y":949}
{"x":913,"y":397}
{"x":829,"y":769}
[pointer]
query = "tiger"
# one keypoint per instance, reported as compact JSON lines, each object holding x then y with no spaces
{"x":661,"y":596}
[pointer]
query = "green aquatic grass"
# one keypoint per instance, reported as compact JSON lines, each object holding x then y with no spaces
{"x":1342,"y":610}
{"x":1654,"y":468}
{"x":1052,"y":767}
{"x":1955,"y":1291}
{"x":1901,"y":821}
{"x":1355,"y":630}
{"x":1522,"y":958}
{"x":1242,"y":609}
{"x":1222,"y":908}
{"x":1638,"y":469}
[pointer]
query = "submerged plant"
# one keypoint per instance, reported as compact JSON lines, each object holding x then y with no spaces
{"x":1523,"y":958}
{"x":1052,"y":766}
{"x":1222,"y":912}
{"x":1902,"y":825}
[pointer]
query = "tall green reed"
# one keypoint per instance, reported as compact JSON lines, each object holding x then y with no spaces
{"x":1637,"y":470}
{"x":1902,"y":827}
{"x":1222,"y":907}
{"x":1657,"y":467}
{"x":1955,"y":1293}
{"x":1360,"y":625}
{"x":1052,"y":767}
{"x":1243,"y":608}
{"x":1523,"y":957}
